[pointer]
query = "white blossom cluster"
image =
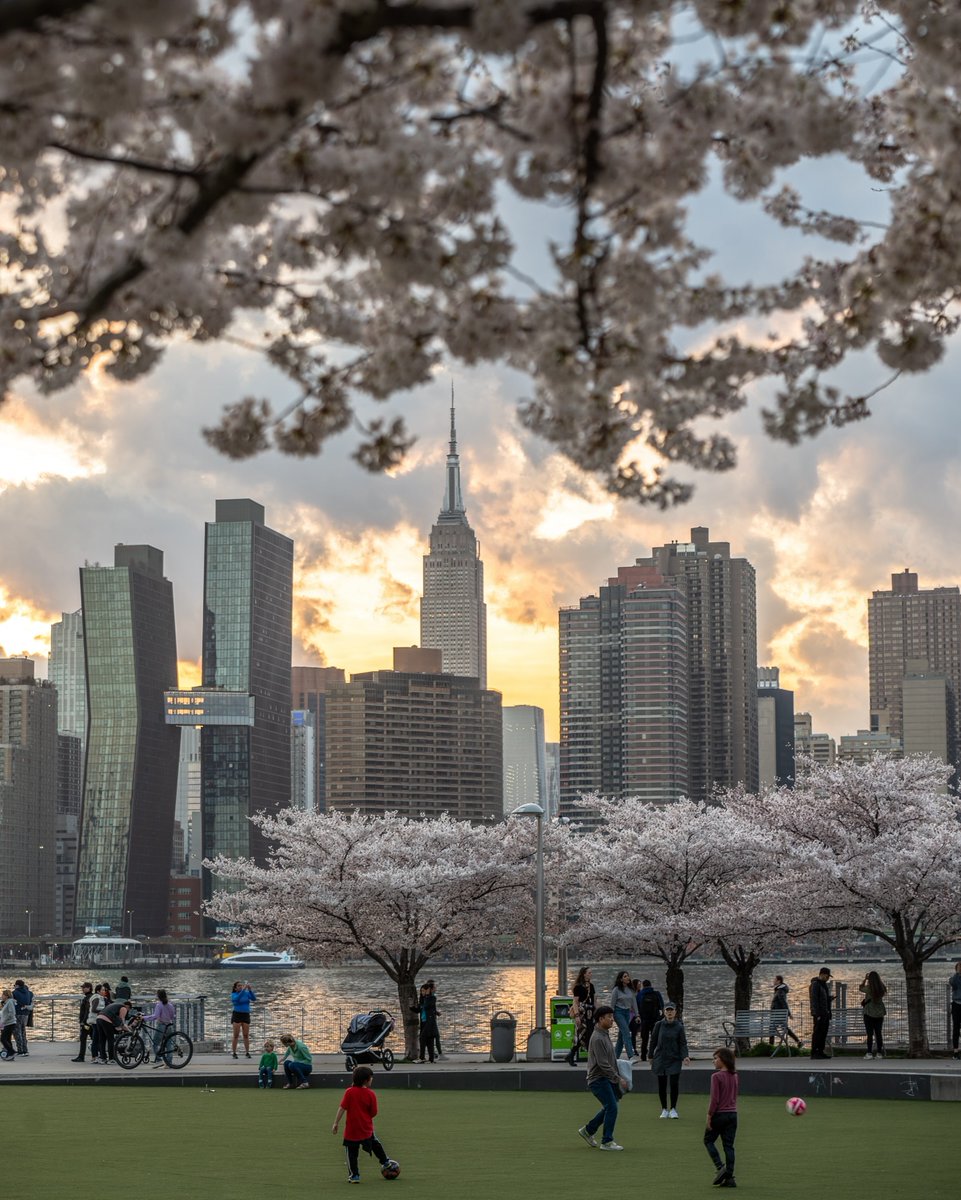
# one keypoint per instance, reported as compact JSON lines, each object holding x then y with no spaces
{"x":334,"y":172}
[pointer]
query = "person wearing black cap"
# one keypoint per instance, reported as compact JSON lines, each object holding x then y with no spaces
{"x":819,"y":1000}
{"x":668,"y":1054}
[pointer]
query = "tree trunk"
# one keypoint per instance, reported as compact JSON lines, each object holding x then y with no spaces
{"x":743,"y":963}
{"x":675,"y":983}
{"x":917,"y":1017}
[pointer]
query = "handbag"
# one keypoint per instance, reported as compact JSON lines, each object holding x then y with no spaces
{"x":30,"y":1018}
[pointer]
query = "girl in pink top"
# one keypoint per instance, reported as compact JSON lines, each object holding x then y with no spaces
{"x":722,"y":1115}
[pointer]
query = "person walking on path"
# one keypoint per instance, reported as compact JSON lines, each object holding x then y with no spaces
{"x":268,"y":1064}
{"x":358,"y":1106}
{"x":582,"y":1010}
{"x":873,"y":1011}
{"x":242,"y":996}
{"x":624,"y":1003}
{"x":162,"y":1019}
{"x":8,"y":1024}
{"x":23,"y":999}
{"x":819,"y":1000}
{"x":298,"y":1062}
{"x":722,"y":1115}
{"x":650,"y":1009}
{"x":427,"y":1013}
{"x":780,"y":1012}
{"x":668,"y":1054}
{"x":86,"y":993}
{"x":955,"y":984}
{"x":604,"y":1080}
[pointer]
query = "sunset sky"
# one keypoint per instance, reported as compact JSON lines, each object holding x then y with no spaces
{"x":824,"y":524}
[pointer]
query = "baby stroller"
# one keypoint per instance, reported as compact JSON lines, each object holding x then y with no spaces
{"x":365,"y":1039}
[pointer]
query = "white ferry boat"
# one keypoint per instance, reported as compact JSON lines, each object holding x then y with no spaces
{"x":253,"y":958}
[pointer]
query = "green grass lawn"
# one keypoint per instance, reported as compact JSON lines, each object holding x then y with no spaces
{"x":174,"y":1144}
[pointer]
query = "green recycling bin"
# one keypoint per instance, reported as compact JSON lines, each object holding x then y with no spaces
{"x":562,"y":1027}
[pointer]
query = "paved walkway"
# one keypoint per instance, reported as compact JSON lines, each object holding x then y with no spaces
{"x":934,"y":1078}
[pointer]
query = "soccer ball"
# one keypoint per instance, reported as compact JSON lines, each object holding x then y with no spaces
{"x":796,"y":1106}
{"x":390,"y":1169}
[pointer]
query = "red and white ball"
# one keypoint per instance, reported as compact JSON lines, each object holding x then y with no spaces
{"x":796,"y":1106}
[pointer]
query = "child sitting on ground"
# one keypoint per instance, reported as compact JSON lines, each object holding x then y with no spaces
{"x":268,"y":1064}
{"x":359,"y":1106}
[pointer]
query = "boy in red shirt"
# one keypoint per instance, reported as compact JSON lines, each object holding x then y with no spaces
{"x":359,"y":1106}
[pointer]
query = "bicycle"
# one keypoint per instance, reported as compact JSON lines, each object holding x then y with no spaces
{"x":131,"y":1046}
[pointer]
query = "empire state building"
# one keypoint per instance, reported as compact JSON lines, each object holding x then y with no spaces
{"x":453,"y":615}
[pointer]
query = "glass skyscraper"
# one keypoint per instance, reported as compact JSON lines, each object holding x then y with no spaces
{"x":248,"y":599}
{"x":130,"y":777}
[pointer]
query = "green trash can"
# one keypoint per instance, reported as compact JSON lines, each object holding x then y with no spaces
{"x":503,"y":1036}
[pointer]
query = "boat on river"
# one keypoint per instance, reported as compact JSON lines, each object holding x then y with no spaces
{"x":253,"y":958}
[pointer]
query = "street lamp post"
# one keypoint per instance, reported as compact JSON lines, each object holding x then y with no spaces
{"x":130,"y":913}
{"x":29,"y":923}
{"x":539,"y":1039}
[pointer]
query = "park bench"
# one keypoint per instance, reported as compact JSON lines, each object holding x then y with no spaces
{"x":846,"y":1023}
{"x":754,"y":1024}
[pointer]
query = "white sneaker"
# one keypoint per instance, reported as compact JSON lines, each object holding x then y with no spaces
{"x":610,"y":1146}
{"x":869,"y":1056}
{"x":673,"y":1114}
{"x":588,"y":1137}
{"x":663,"y":1114}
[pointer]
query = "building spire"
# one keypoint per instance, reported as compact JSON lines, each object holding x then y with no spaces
{"x":453,"y":509}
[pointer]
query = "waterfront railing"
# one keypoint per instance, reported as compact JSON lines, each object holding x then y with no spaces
{"x":464,"y":1028}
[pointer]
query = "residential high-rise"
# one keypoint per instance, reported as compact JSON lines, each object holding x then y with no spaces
{"x":453,"y":615}
{"x":423,"y":744}
{"x":624,"y":690}
{"x":66,"y":670}
{"x":130,"y":776}
{"x":775,"y":720}
{"x":188,"y":810}
{"x":248,"y":600}
{"x":28,"y":801}
{"x":924,"y":709}
{"x":309,"y":687}
{"x":303,"y":760}
{"x":722,"y":653}
{"x":866,"y":744}
{"x":525,"y":760}
{"x":923,"y":627}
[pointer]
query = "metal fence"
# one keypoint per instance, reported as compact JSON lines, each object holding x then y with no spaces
{"x":466,"y":1028}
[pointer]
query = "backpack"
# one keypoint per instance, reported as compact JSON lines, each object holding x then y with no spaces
{"x":649,"y":1008}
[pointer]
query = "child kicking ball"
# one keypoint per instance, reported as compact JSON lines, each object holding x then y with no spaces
{"x":359,"y":1106}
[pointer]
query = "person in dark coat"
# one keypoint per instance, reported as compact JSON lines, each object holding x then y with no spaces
{"x":427,"y":1011}
{"x":650,"y":1009}
{"x":668,"y":1054}
{"x":23,"y":999}
{"x":819,"y":1000}
{"x":781,"y":1012}
{"x":86,"y":991}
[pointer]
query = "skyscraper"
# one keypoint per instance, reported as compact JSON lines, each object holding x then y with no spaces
{"x":913,"y":631}
{"x":28,"y":800}
{"x":67,"y":672}
{"x":130,"y":777}
{"x":658,"y":678}
{"x":309,"y":687}
{"x":624,"y":690}
{"x":453,"y":615}
{"x":248,"y":599}
{"x":722,"y":650}
{"x":525,"y":759}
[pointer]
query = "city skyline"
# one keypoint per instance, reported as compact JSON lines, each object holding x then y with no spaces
{"x":69,"y":490}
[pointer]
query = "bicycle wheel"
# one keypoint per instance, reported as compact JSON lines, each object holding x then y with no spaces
{"x":177,"y":1050}
{"x":388,"y":1060}
{"x":129,"y":1050}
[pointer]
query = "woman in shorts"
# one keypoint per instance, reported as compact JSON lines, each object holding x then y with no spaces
{"x":241,"y":997}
